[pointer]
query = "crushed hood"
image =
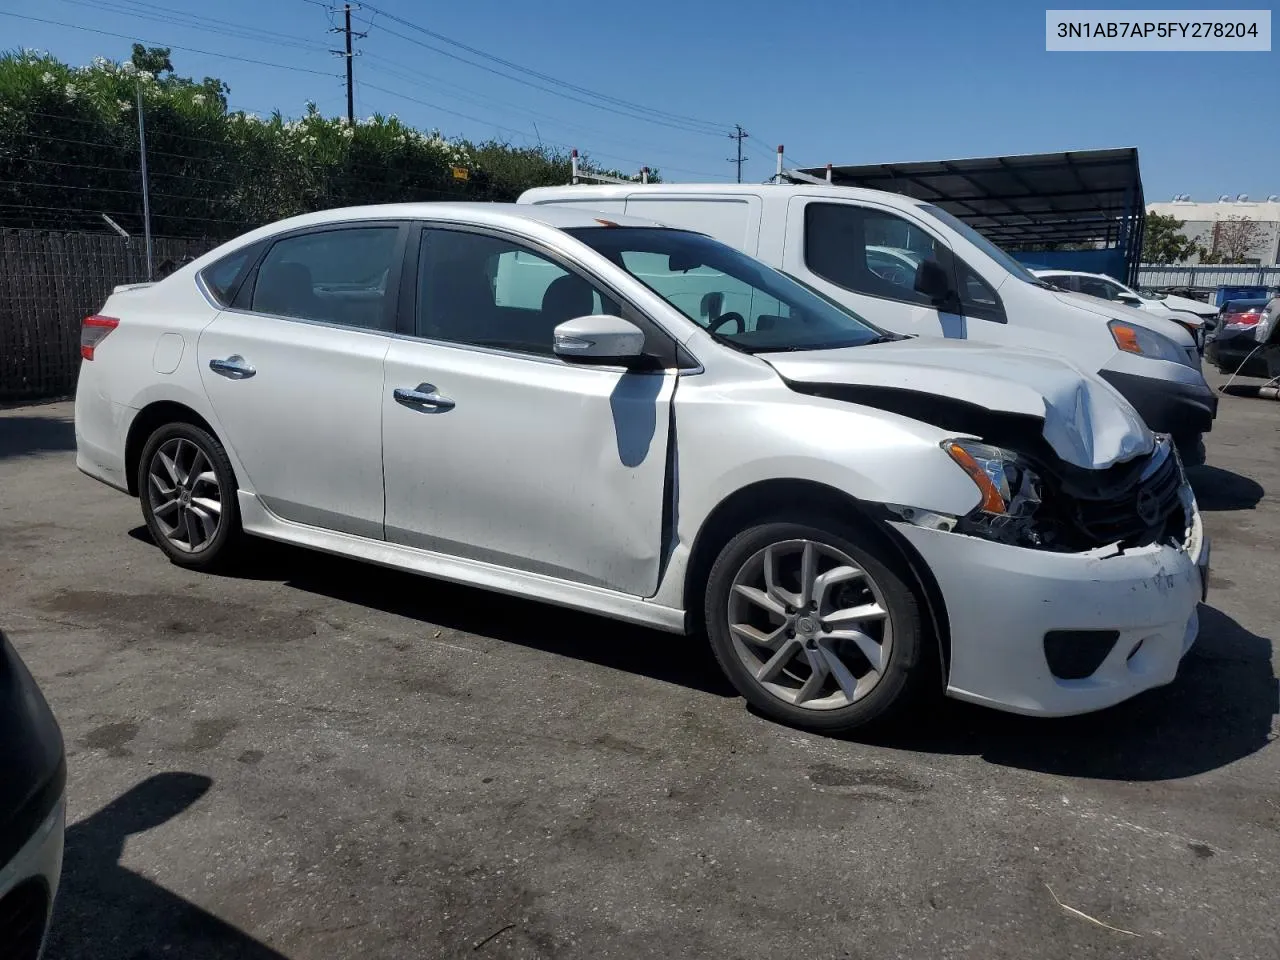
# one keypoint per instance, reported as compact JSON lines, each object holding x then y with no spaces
{"x":1086,"y":422}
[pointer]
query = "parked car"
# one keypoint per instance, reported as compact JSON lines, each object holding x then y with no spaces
{"x":833,"y":239}
{"x":1193,"y":315}
{"x":1233,"y":345}
{"x":642,"y":422}
{"x":32,"y":809}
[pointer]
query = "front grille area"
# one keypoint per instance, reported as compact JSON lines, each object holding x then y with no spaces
{"x":23,"y":913}
{"x":1146,"y":511}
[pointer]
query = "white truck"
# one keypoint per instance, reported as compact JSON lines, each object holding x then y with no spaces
{"x":913,"y":268}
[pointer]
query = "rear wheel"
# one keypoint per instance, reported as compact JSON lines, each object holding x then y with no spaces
{"x":188,"y":494}
{"x":815,"y":624}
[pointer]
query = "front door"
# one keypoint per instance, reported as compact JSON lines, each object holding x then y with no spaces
{"x":495,"y":449}
{"x":294,"y":374}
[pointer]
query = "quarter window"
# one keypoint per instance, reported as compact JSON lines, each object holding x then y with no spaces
{"x":335,"y":276}
{"x":489,"y":292}
{"x":223,"y":278}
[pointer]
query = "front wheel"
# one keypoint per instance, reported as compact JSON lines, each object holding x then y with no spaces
{"x":188,"y":494}
{"x":815,"y":625}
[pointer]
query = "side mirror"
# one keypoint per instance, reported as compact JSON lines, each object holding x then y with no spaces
{"x":1128,"y":299}
{"x":599,"y":338}
{"x":712,"y":305}
{"x":932,"y":281}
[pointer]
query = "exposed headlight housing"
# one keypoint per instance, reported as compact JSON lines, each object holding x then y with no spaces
{"x":1132,"y":338}
{"x":1010,"y":492}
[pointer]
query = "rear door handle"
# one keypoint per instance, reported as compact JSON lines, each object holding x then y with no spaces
{"x":234,"y":367}
{"x":424,"y":398}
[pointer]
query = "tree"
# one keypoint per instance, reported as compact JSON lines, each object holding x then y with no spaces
{"x":152,"y":60}
{"x":1233,"y":240}
{"x":1164,"y":242}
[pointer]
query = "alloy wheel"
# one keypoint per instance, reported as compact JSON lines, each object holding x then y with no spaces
{"x":184,"y":495}
{"x":810,"y":624}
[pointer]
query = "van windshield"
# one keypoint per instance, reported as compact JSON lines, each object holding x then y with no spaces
{"x":739,"y":300}
{"x":983,"y":244}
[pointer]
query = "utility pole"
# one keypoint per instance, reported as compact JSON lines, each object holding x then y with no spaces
{"x":146,"y":189}
{"x":739,"y":136}
{"x":350,"y":58}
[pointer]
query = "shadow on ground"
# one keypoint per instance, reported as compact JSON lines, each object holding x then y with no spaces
{"x":107,"y":912}
{"x":23,"y":436}
{"x":1217,"y":489}
{"x":1218,"y":710}
{"x":436,"y":603}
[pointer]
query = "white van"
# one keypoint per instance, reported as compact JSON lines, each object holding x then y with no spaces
{"x":913,"y":268}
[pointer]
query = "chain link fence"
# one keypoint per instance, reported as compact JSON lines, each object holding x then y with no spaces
{"x":49,"y":282}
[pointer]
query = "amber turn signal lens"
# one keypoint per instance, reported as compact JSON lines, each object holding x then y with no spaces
{"x":992,"y":502}
{"x":1126,"y":338}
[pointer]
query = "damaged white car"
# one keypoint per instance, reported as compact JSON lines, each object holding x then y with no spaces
{"x":532,"y":400}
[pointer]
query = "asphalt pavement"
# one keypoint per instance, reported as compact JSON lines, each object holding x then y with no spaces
{"x":316,"y":759}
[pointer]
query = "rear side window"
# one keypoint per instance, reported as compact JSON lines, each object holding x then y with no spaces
{"x":334,"y":276}
{"x":1097,"y":287}
{"x":867,"y":251}
{"x":223,"y":279}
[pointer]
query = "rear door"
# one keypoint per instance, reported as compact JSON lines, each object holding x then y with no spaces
{"x":293,"y":371}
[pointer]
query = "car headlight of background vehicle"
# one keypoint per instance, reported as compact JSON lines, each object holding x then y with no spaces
{"x":1146,"y":343}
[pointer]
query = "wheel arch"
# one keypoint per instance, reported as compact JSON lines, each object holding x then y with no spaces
{"x":149,"y":419}
{"x":793,"y":499}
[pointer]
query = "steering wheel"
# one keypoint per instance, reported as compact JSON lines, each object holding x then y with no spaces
{"x":893,"y":273}
{"x":727,"y":318}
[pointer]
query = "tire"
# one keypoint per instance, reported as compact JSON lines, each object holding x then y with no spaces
{"x":786,"y":686}
{"x":177,"y":500}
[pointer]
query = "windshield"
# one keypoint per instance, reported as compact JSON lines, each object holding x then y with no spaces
{"x":741,"y":301}
{"x":983,"y":244}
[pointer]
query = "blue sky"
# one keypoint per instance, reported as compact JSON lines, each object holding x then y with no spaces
{"x":840,"y":81}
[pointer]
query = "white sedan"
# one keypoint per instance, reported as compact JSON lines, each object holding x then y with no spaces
{"x":641,"y":422}
{"x":1193,"y":315}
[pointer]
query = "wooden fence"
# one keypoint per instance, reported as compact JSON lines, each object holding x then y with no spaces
{"x":49,"y":282}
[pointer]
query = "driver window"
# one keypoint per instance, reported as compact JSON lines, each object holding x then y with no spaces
{"x":868,"y":251}
{"x":489,"y":292}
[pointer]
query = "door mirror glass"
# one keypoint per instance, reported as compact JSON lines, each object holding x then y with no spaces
{"x":932,"y":281}
{"x":599,"y":338}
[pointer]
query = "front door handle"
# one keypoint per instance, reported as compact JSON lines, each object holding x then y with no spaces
{"x":424,"y":398}
{"x":234,"y":367}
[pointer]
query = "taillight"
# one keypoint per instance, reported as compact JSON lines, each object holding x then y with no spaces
{"x":1242,"y":321}
{"x":93,"y":331}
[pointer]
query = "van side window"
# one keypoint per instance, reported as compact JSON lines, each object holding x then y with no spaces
{"x":977,"y":298}
{"x":868,"y":251}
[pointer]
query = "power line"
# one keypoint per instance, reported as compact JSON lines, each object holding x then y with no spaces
{"x":142,"y":10}
{"x":545,"y":89}
{"x":171,"y":46}
{"x":713,"y":126}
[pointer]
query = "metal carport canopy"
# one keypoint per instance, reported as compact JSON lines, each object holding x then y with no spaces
{"x":1023,"y":201}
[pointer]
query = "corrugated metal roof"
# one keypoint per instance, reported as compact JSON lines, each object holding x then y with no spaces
{"x":1027,"y":200}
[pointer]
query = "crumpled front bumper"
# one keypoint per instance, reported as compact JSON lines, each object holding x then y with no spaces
{"x":1001,"y":601}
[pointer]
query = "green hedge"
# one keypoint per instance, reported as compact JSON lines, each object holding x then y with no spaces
{"x":69,"y":153}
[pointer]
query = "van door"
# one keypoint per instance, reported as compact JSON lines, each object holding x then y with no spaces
{"x":867,"y":257}
{"x":733,"y":220}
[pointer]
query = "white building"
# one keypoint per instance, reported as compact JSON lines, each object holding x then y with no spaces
{"x":1214,"y":225}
